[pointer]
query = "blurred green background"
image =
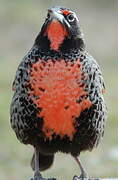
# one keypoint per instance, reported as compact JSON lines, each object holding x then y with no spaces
{"x":20,"y":22}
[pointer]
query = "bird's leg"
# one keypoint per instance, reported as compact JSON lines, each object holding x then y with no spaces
{"x":37,"y":171}
{"x":37,"y":174}
{"x":84,"y":174}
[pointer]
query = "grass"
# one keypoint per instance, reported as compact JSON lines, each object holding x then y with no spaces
{"x":17,"y":34}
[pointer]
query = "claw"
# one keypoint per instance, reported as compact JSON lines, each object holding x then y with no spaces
{"x":75,"y":177}
{"x":81,"y":177}
{"x":41,"y":178}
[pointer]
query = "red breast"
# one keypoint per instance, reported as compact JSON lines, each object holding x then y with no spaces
{"x":57,"y":86}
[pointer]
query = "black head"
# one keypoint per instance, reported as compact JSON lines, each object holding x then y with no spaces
{"x":60,"y":31}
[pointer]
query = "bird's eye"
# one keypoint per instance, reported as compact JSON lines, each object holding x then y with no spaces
{"x":70,"y":18}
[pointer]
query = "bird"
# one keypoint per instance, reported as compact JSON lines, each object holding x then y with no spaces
{"x":58,"y":101}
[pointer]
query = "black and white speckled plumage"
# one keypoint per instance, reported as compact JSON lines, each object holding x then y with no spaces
{"x":24,"y":111}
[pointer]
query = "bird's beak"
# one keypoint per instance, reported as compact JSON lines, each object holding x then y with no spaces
{"x":55,"y":15}
{"x":58,"y":16}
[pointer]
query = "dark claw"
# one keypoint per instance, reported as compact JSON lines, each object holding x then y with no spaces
{"x":41,"y":178}
{"x":38,"y":176}
{"x":79,"y":178}
{"x":75,"y":178}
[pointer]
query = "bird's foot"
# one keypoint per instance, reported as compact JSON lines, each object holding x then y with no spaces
{"x":41,"y":178}
{"x":37,"y":176}
{"x":81,"y":177}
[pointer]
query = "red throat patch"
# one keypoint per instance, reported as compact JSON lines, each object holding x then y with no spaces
{"x":57,"y":87}
{"x":56,"y":33}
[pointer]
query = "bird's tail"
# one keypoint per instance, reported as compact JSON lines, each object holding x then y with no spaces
{"x":45,"y":161}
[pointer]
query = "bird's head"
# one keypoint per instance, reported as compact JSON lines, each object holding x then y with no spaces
{"x":60,"y":31}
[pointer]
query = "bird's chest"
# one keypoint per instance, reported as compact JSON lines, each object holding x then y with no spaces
{"x":58,"y":91}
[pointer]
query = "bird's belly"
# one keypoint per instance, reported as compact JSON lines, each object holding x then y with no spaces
{"x":56,"y":88}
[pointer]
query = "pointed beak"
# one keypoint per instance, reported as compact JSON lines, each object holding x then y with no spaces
{"x":55,"y":15}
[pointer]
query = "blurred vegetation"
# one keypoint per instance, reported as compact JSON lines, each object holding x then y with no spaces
{"x":20,"y":22}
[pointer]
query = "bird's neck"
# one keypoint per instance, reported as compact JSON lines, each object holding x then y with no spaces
{"x":68,"y":44}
